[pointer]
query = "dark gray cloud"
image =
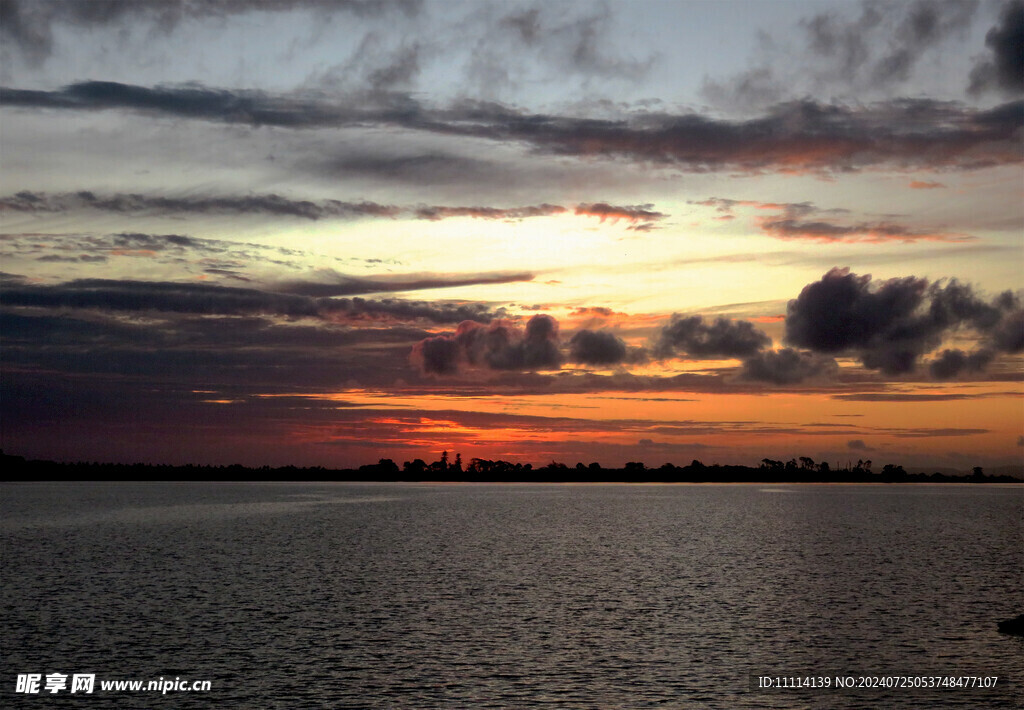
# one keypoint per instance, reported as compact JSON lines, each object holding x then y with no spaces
{"x":501,"y":345}
{"x":786,"y":366}
{"x":207,"y":299}
{"x":1008,"y":334}
{"x":951,"y":363}
{"x":890,"y":325}
{"x":795,"y":136}
{"x":858,"y":445}
{"x":722,"y":338}
{"x":1004,"y":70}
{"x":129,"y":203}
{"x":38,"y":329}
{"x":602,"y":347}
{"x":69,"y":383}
{"x":80,"y":259}
{"x":29,"y":24}
{"x":271,"y":204}
{"x":437,"y":212}
{"x":194,"y":101}
{"x":172,"y":249}
{"x":437,"y":355}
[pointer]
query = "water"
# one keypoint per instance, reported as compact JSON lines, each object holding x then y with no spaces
{"x":358,"y":595}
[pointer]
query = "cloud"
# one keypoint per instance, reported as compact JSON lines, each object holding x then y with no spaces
{"x":207,"y":299}
{"x":1004,"y":70}
{"x":29,"y":24}
{"x":722,"y":338}
{"x":602,"y":347}
{"x":798,"y":136}
{"x":276,"y":205}
{"x":1008,"y":334}
{"x":875,"y":48}
{"x":501,"y":345}
{"x":175,"y":250}
{"x":439,"y":355}
{"x":437,"y":213}
{"x":632,"y":213}
{"x":858,"y":445}
{"x":398,"y":71}
{"x":548,"y":42}
{"x":888,"y":326}
{"x":805,"y":220}
{"x":432,"y":167}
{"x":128,"y":203}
{"x":80,"y":259}
{"x":923,"y":433}
{"x":926,"y":24}
{"x":905,"y":397}
{"x":786,"y":366}
{"x":828,"y":231}
{"x":951,"y":363}
{"x":924,"y":185}
{"x":752,"y":88}
{"x":331,"y":283}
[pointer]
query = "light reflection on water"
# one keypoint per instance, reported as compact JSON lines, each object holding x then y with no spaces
{"x":310,"y":595}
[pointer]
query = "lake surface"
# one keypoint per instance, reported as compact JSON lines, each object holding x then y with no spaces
{"x":488,"y":596}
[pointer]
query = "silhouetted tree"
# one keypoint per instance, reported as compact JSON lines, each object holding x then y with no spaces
{"x":891,"y":472}
{"x":416,"y":467}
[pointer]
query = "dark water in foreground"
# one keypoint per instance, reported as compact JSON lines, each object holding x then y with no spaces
{"x":321,"y":595}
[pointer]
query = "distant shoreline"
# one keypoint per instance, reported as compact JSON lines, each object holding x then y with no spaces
{"x":17,"y":468}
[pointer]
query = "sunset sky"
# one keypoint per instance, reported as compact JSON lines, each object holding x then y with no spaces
{"x":321,"y":232}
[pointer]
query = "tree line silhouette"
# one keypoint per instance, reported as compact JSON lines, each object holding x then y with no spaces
{"x":797,"y":470}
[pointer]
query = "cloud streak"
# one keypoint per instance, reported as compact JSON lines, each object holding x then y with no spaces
{"x":30,"y":202}
{"x":799,"y":136}
{"x":207,"y":299}
{"x":806,"y":221}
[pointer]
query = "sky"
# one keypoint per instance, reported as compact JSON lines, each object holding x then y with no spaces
{"x":326,"y":232}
